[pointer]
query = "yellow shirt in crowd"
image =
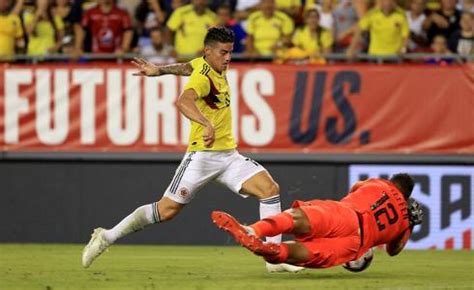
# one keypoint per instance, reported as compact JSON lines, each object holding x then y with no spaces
{"x":190,"y":29}
{"x":267,"y":32}
{"x":282,"y":4}
{"x":304,"y":39}
{"x":214,"y":103}
{"x":10,"y":30}
{"x":387,"y":33}
{"x":44,"y":37}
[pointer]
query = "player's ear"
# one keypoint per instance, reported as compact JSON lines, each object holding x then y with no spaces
{"x":207,"y":49}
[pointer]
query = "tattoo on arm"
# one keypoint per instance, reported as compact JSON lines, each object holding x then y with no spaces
{"x":180,"y":69}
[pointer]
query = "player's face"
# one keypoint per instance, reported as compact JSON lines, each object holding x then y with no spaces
{"x":387,"y":5}
{"x":267,"y":6}
{"x":223,"y":16}
{"x":312,"y":19}
{"x":218,"y":55}
{"x":467,"y":22}
{"x":417,"y":6}
{"x":4,"y":6}
{"x":448,"y":4}
{"x":106,"y":2}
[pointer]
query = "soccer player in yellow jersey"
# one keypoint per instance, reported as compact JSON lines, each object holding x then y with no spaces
{"x":312,"y":38}
{"x":388,"y":28}
{"x":268,"y":30}
{"x":211,"y":153}
{"x":189,"y":26}
{"x":11,"y":32}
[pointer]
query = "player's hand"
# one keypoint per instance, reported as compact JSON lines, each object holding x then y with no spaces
{"x":208,"y":136}
{"x":351,"y":54}
{"x":415,"y":212}
{"x":145,"y":68}
{"x":439,"y":20}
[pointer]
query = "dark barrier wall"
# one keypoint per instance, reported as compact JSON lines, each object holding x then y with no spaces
{"x":63,"y":201}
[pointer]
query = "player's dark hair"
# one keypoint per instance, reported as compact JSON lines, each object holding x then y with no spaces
{"x":404,"y":183}
{"x":219,"y":34}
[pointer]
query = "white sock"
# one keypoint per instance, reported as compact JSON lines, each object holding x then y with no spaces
{"x":136,"y":221}
{"x":269,"y":207}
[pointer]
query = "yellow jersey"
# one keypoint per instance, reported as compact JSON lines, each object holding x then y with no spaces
{"x":10,"y":30}
{"x":190,"y":29}
{"x":387,"y":32}
{"x":45,"y":37}
{"x":267,"y":32}
{"x":304,"y":39}
{"x":283,"y":4}
{"x":214,"y":103}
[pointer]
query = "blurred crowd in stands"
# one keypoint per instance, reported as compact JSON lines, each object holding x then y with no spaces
{"x":279,"y":30}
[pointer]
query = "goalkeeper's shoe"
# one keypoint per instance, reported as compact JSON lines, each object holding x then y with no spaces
{"x":96,"y":246}
{"x":242,"y":236}
{"x":283,"y":267}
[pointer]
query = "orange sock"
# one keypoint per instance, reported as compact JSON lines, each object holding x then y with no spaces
{"x":281,"y":257}
{"x":278,"y":224}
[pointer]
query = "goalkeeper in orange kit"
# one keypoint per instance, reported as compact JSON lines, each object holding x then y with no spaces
{"x":330,"y":233}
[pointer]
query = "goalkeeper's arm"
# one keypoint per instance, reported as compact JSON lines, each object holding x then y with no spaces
{"x":396,"y":246}
{"x":415,"y":213}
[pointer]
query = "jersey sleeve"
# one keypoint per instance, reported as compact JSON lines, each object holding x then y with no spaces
{"x":199,"y":83}
{"x":326,"y":39}
{"x":175,"y":21}
{"x":250,"y":27}
{"x":357,"y":185}
{"x":288,"y":26}
{"x":364,"y":23}
{"x":85,"y":19}
{"x":126,"y":21}
{"x":405,"y":28}
{"x":195,"y":62}
{"x":18,"y":30}
{"x":396,"y":246}
{"x":296,"y":39}
{"x":59,"y":22}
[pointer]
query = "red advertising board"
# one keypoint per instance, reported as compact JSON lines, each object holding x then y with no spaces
{"x":276,"y":108}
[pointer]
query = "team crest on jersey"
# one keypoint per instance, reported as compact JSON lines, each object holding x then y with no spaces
{"x":183,"y":192}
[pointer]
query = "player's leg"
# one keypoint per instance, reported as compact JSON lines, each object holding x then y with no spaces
{"x":327,"y":235}
{"x":317,"y":253}
{"x":291,"y":252}
{"x":266,"y":190}
{"x":163,"y":210}
{"x":246,"y":177}
{"x":292,"y":221}
{"x":192,"y":173}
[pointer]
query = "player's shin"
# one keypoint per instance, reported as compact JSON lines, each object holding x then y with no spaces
{"x":137,"y":220}
{"x":269,"y":207}
{"x":274,"y":226}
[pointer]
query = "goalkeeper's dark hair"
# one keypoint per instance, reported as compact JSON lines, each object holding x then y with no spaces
{"x":404,"y":183}
{"x":219,"y":34}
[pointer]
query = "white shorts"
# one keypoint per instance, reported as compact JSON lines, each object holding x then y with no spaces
{"x":199,"y":168}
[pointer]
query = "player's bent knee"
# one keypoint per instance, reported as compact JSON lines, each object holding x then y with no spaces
{"x":272,"y":189}
{"x":301,"y":224}
{"x":168,"y":214}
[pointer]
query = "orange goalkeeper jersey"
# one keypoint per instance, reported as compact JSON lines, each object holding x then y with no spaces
{"x":384,"y":210}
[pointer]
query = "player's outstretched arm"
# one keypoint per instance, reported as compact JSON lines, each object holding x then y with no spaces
{"x":149,"y":69}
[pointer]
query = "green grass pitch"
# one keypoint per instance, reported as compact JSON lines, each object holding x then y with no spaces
{"x":51,"y":266}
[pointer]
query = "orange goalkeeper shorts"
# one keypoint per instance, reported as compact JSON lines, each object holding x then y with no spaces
{"x":335,"y":235}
